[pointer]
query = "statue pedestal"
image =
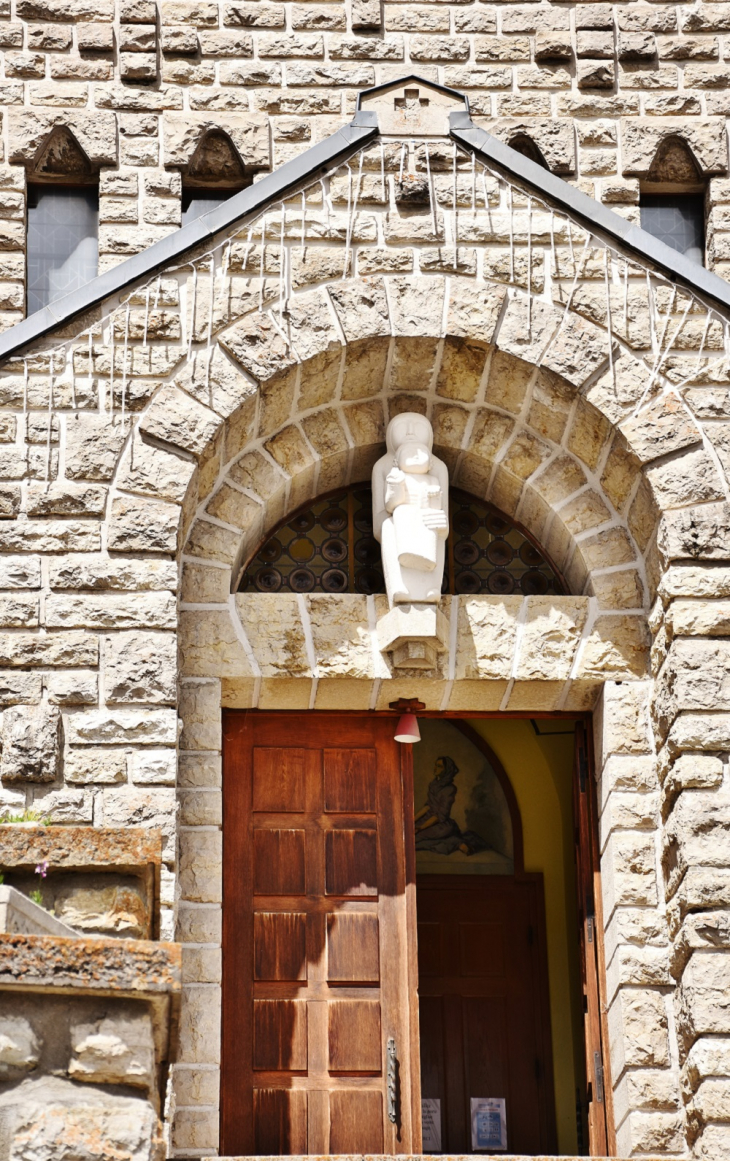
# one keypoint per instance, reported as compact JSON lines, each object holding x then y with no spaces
{"x":414,"y":635}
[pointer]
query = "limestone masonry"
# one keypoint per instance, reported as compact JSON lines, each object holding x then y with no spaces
{"x":149,"y":446}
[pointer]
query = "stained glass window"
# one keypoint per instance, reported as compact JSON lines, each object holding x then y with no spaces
{"x":63,"y":246}
{"x":678,"y":220}
{"x":329,"y":546}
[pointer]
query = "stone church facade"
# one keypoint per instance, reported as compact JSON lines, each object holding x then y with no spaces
{"x":429,"y":207}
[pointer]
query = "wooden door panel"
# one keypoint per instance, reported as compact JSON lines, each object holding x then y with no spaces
{"x":484,"y":1006}
{"x":356,"y":1121}
{"x":279,"y":864}
{"x":481,"y":949}
{"x":280,"y":1121}
{"x":318,"y":892}
{"x":349,"y":781}
{"x":351,"y":862}
{"x":280,"y":945}
{"x":280,"y":1035}
{"x":354,"y":1036}
{"x":279,"y":779}
{"x":353,"y":948}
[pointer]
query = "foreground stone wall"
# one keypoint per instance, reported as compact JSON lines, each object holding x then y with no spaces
{"x":597,"y":87}
{"x":154,"y":444}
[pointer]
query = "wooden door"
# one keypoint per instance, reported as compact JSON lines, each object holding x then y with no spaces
{"x":319,"y":975}
{"x":484,"y":1008}
{"x":601,"y":1139}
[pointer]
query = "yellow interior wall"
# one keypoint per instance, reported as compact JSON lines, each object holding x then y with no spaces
{"x":540,"y":769}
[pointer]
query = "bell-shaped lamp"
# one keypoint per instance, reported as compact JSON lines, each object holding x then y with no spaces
{"x":407,"y":730}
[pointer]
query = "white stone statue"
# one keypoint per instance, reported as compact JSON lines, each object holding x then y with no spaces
{"x":410,"y":511}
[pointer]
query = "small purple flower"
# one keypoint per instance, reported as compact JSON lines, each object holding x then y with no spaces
{"x":42,"y":869}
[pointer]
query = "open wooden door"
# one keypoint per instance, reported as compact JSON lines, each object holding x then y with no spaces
{"x":320,"y":1020}
{"x":590,"y":915}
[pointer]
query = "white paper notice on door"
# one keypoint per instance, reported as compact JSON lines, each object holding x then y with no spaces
{"x":488,"y":1124}
{"x":431,"y":1120}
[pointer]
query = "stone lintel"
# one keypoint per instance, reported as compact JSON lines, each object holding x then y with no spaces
{"x":414,"y":634}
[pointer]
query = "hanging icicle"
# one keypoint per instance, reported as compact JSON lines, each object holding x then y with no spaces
{"x":209,"y":350}
{"x":382,"y":170}
{"x":626,"y":300}
{"x":146,"y":316}
{"x":193,"y":309}
{"x":431,"y":193}
{"x":351,"y":214}
{"x":529,"y":267}
{"x":246,"y":252}
{"x":553,"y":254}
{"x":124,"y":364}
{"x":261,"y":264}
{"x":454,"y":209}
{"x":304,"y":219}
{"x":25,"y":387}
{"x":282,"y":262}
{"x":511,"y":235}
{"x":158,"y":288}
{"x":49,"y":417}
{"x":609,"y":326}
{"x":473,"y":182}
{"x":91,"y":363}
{"x":652,"y":315}
{"x":112,"y":357}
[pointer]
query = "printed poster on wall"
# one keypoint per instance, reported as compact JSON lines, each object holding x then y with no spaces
{"x":488,"y":1124}
{"x":431,"y":1121}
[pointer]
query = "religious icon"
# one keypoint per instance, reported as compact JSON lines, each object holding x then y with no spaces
{"x":462,"y":820}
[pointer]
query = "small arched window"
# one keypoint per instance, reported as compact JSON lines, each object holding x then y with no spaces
{"x":62,"y":252}
{"x":525,"y":145}
{"x":328,"y":546}
{"x":214,"y":173}
{"x":672,"y":200}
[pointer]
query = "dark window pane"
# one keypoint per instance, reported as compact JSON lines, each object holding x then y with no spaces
{"x":679,"y":221}
{"x":197,"y":202}
{"x":63,"y":246}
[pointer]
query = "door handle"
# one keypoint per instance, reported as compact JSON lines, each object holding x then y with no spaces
{"x":392,"y":1080}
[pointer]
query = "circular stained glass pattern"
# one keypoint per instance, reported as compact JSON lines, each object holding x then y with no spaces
{"x":329,"y":547}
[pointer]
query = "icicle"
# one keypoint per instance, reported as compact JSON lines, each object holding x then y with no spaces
{"x":626,"y":300}
{"x":227,"y":254}
{"x":124,"y":364}
{"x":73,"y":379}
{"x":158,"y":288}
{"x":261,"y":264}
{"x":402,"y":159}
{"x":246,"y":252}
{"x":193,"y":309}
{"x":454,"y":210}
{"x":652,"y":318}
{"x":304,"y":219}
{"x":146,"y":318}
{"x":511,"y":236}
{"x":570,"y":244}
{"x":352,"y":211}
{"x":529,"y":267}
{"x":607,"y":283}
{"x":91,"y":362}
{"x":484,"y":187}
{"x":473,"y":182}
{"x":282,"y":262}
{"x":25,"y":386}
{"x":382,"y":169}
{"x":211,"y":305}
{"x":431,"y":193}
{"x":705,"y":332}
{"x":553,"y":255}
{"x":111,"y":368}
{"x":569,"y":300}
{"x":49,"y":418}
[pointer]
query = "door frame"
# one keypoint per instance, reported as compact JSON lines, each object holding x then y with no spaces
{"x":599,"y":1090}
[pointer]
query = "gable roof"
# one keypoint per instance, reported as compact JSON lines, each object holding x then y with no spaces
{"x":339,"y":147}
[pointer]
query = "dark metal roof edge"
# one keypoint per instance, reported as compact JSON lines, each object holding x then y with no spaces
{"x":248,"y":202}
{"x":593,"y":214}
{"x":404,"y":81}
